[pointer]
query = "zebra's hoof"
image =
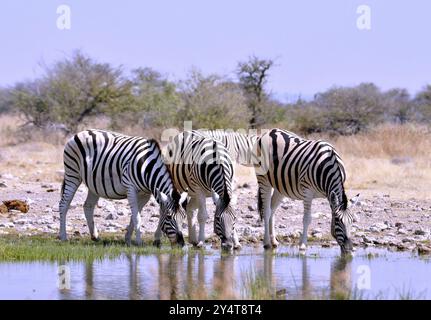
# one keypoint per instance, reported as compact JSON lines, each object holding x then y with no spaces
{"x":200,"y":244}
{"x":302,"y":249}
{"x":157,"y":243}
{"x":95,"y":239}
{"x":275,"y":244}
{"x":267,"y":246}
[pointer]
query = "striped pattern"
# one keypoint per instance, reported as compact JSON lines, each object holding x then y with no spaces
{"x":201,"y":166}
{"x":116,"y":166}
{"x":239,"y":145}
{"x":302,"y":170}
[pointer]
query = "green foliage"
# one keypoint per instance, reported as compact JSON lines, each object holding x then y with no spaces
{"x":78,"y":88}
{"x":212,"y":102}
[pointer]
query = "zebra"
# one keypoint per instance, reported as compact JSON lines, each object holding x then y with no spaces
{"x":238,"y":144}
{"x":116,"y":166}
{"x":202,"y":167}
{"x":301,"y":169}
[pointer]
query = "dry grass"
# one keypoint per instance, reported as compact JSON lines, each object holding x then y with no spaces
{"x":389,"y":159}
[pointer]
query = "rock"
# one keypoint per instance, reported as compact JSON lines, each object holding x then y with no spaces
{"x":8,"y":176}
{"x":3,"y":185}
{"x":22,"y":221}
{"x":398,"y":224}
{"x":7,"y":224}
{"x":377,"y":227}
{"x":423,"y":249}
{"x":408,"y":239}
{"x":251,"y":207}
{"x":3,"y":208}
{"x":246,"y":232}
{"x":281,"y":226}
{"x":286,"y":206}
{"x":420,"y":232}
{"x":248,"y":216}
{"x":112,"y":216}
{"x":402,"y":231}
{"x":318,"y":235}
{"x":123,"y":212}
{"x":401,"y":160}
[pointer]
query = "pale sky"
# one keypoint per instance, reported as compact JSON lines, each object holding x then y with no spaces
{"x":316,"y":44}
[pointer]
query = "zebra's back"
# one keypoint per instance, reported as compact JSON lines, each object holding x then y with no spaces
{"x":106,"y":161}
{"x":295,"y":166}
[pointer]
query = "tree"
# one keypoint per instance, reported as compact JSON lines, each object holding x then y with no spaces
{"x":253,"y":75}
{"x":398,"y":106}
{"x":30,"y":98}
{"x":5,"y":101}
{"x":80,"y":87}
{"x":213,"y":102}
{"x":423,"y":103}
{"x":155,"y":99}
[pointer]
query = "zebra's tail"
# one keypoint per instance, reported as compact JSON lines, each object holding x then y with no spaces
{"x":260,"y":203}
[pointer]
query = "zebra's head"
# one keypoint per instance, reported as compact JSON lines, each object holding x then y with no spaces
{"x":224,"y":221}
{"x":172,"y":207}
{"x":342,"y":219}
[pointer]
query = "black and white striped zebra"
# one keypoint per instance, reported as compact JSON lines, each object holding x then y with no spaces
{"x":239,"y":145}
{"x":202,"y":167}
{"x":301,"y":169}
{"x":116,"y":166}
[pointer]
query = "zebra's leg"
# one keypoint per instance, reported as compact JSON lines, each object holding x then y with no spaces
{"x":264,"y":204}
{"x":202,"y":219}
{"x":89,"y":205}
{"x":142,"y":200}
{"x":306,"y":220}
{"x":132,"y":197}
{"x":275,"y":202}
{"x":191,"y":221}
{"x":236,"y":244}
{"x":68,"y":191}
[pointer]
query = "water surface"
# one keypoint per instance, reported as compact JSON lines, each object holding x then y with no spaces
{"x":321,"y":274}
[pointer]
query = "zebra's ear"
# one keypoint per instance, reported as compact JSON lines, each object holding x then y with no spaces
{"x":184,"y":200}
{"x":355,"y":200}
{"x":215,"y":197}
{"x":161,"y":197}
{"x":333,"y":201}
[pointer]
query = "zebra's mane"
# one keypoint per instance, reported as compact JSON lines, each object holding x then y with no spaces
{"x":175,"y":194}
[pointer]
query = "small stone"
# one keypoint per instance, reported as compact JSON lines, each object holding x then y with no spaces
{"x":402,"y":231}
{"x":3,"y":185}
{"x":419,"y":232}
{"x":286,"y":206}
{"x":398,"y":224}
{"x":251,"y":207}
{"x":423,"y":249}
{"x":111,"y":216}
{"x":248,"y":216}
{"x":282,"y":226}
{"x":246,"y":232}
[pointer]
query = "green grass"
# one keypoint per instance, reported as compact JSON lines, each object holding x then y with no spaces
{"x":47,"y":248}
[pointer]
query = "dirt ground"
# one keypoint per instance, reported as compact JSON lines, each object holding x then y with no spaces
{"x":397,"y":217}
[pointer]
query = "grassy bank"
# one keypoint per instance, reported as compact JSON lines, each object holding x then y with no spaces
{"x":15,"y":248}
